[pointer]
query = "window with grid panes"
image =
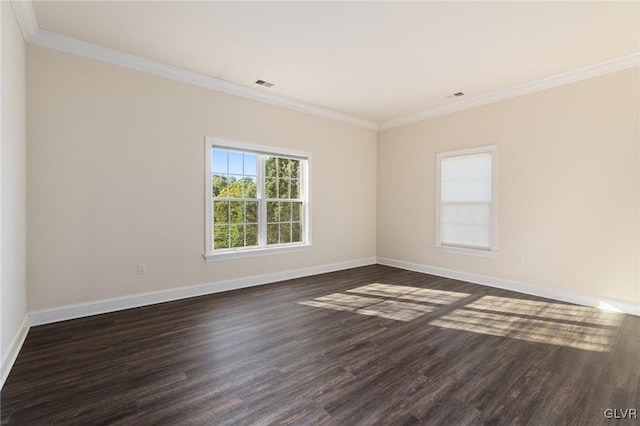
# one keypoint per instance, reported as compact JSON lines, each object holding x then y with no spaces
{"x":258,"y":198}
{"x":284,"y":200}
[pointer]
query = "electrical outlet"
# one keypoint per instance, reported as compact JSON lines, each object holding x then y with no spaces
{"x":142,"y":268}
{"x":520,"y":259}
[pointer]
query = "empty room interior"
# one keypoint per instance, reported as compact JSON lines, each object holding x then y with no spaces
{"x":336,"y":213}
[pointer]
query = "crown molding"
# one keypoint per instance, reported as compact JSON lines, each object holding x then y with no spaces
{"x":114,"y":57}
{"x":600,"y":68}
{"x":26,"y":17}
{"x":28,"y":23}
{"x":32,"y":34}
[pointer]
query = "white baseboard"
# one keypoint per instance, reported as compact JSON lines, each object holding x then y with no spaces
{"x":14,"y":348}
{"x":79,"y":310}
{"x":534,"y":290}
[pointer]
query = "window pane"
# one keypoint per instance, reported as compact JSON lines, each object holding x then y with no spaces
{"x":252,"y":212}
{"x":273,"y":210}
{"x":236,"y":162}
{"x":235,"y":187}
{"x":252,"y":235}
{"x":466,"y":213}
{"x":220,"y":212}
{"x":469,"y":190}
{"x":219,"y":184}
{"x":237,"y":235}
{"x":466,"y":167}
{"x":466,"y":178}
{"x":466,"y":235}
{"x":296,"y":232}
{"x":283,"y":188}
{"x":250,"y":162}
{"x":273,"y":233}
{"x":285,"y":233}
{"x":283,"y":168}
{"x":285,"y":212}
{"x":295,"y":169}
{"x":221,"y":237}
{"x":270,"y":167}
{"x":236,"y":210}
{"x":249,"y":187}
{"x":219,"y":162}
{"x":271,"y":188}
{"x":295,"y":188}
{"x":296,"y":211}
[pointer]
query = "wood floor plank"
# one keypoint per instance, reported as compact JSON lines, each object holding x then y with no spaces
{"x":366,"y":346}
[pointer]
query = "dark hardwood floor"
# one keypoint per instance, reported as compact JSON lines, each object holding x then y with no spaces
{"x":371,"y":345}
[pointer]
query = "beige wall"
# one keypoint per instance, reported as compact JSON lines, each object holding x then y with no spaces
{"x":116,"y":171}
{"x":115,"y":174}
{"x":13,"y":183}
{"x":568,"y":188}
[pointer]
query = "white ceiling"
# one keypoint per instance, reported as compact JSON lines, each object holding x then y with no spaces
{"x":376,"y":61}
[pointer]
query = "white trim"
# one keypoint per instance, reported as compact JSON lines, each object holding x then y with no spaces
{"x":114,"y":57}
{"x":96,"y":307}
{"x":520,"y":287}
{"x":605,"y":67}
{"x":262,"y":149}
{"x":14,"y":349}
{"x":208,"y":208}
{"x":26,"y":17}
{"x":262,"y":251}
{"x":467,"y":251}
{"x":261,"y":193}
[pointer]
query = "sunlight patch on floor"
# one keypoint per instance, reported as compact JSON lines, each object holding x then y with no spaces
{"x":547,"y":310}
{"x":573,"y":326}
{"x":533,"y":330}
{"x":390,"y":309}
{"x":417,"y":294}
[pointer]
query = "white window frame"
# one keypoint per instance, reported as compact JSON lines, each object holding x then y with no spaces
{"x":492,"y":252}
{"x":264,"y":249}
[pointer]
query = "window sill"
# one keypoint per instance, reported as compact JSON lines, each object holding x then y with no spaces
{"x":241,"y":254}
{"x":467,"y":251}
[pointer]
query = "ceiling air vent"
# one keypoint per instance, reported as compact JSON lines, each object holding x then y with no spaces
{"x":455,"y":95}
{"x":264,"y":83}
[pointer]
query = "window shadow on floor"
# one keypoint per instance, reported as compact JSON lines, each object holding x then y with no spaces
{"x":561,"y":324}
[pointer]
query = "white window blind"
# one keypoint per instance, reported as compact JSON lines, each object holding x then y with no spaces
{"x":466,"y":204}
